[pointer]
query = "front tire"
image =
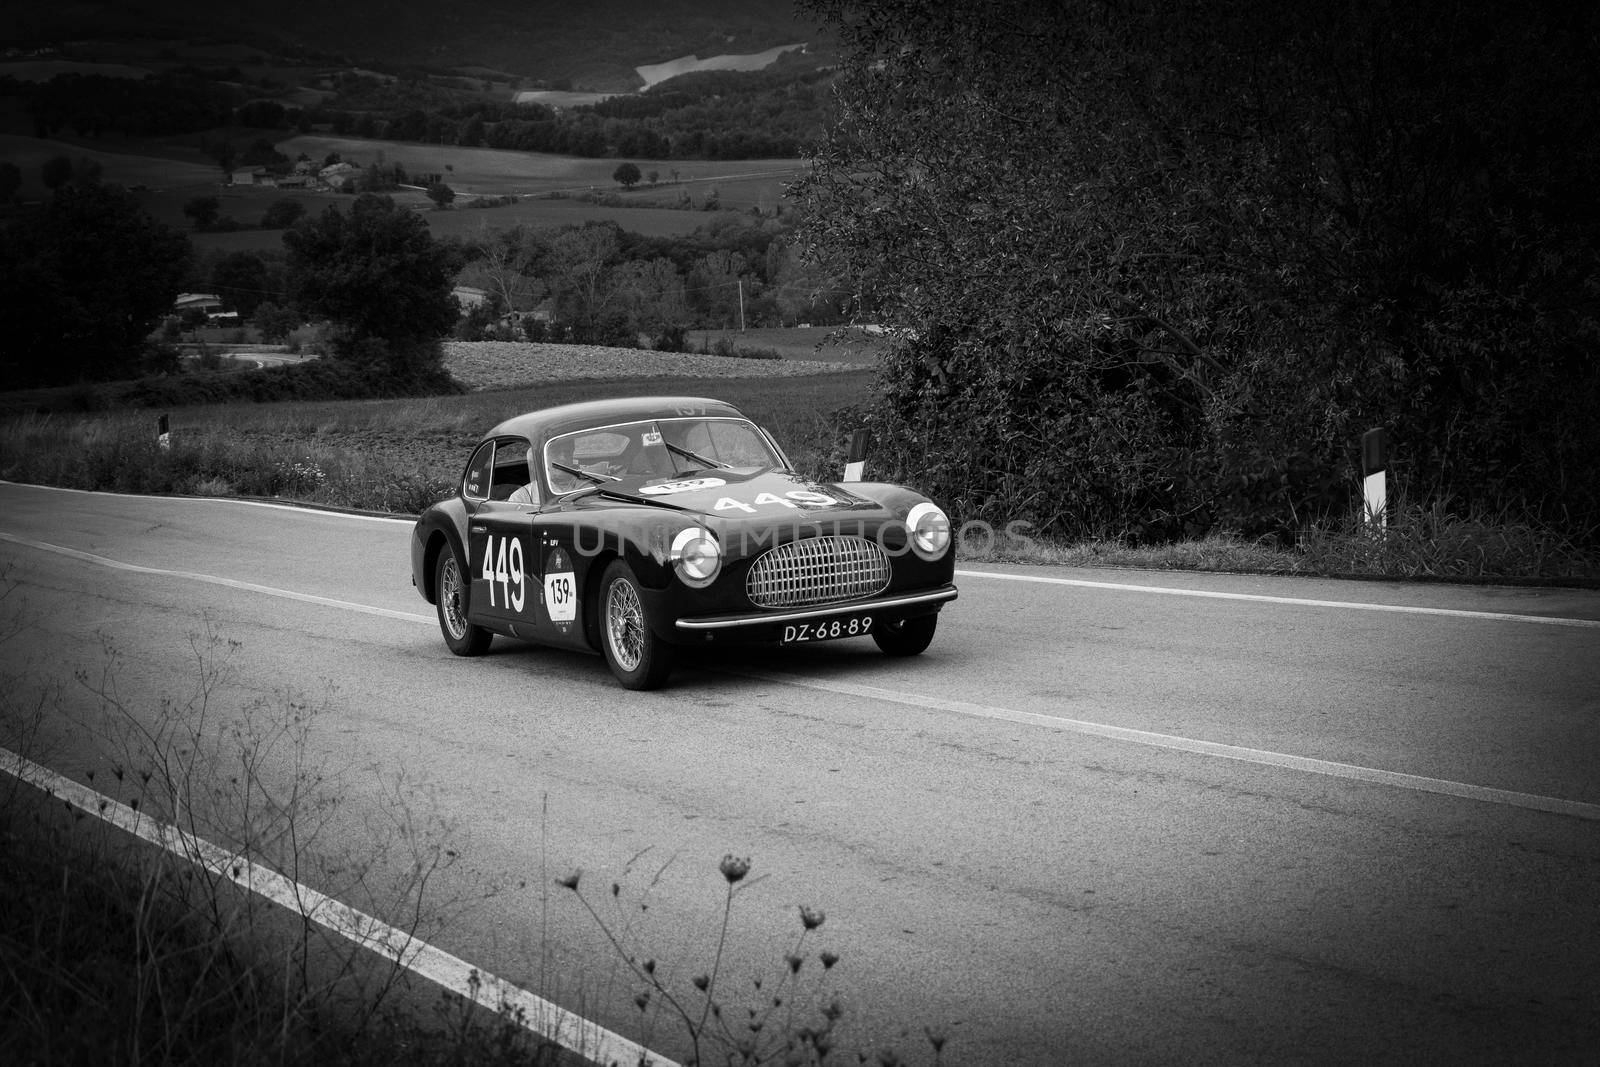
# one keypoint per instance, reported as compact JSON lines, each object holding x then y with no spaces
{"x":908,"y":637}
{"x":451,"y":589}
{"x":638,"y":658}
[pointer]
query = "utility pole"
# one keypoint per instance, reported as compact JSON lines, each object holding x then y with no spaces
{"x":741,"y":305}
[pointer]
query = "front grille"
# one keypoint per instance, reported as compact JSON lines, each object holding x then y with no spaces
{"x":818,"y":570}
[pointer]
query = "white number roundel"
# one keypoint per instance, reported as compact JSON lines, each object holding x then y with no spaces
{"x":688,"y":485}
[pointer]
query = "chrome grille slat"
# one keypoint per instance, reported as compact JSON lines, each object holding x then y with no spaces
{"x":818,"y":570}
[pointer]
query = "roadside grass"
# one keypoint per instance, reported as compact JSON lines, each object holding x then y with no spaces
{"x":1420,"y":543}
{"x":398,"y":456}
{"x":382,"y":455}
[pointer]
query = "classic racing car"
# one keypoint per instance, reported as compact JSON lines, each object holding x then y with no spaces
{"x":635,"y":527}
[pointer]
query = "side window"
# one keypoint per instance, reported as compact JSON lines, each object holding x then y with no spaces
{"x":511,"y":472}
{"x":480,"y":470}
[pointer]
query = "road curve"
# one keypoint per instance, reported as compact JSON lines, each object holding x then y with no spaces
{"x":1110,"y":817}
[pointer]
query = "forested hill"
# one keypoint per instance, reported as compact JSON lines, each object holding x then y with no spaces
{"x":586,"y":45}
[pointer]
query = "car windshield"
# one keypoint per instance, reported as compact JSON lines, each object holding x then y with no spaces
{"x":653,"y":448}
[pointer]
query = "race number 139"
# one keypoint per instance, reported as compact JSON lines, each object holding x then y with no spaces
{"x":561,"y":596}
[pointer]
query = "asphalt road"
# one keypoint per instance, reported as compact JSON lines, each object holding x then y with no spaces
{"x":1110,"y":817}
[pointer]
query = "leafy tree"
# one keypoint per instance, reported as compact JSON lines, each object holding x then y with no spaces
{"x":1163,"y":264}
{"x":56,"y":172}
{"x":10,"y":181}
{"x":652,"y":293}
{"x":626,"y":175}
{"x":203,"y":211}
{"x":87,"y":279}
{"x":225,"y":155}
{"x":263,"y":153}
{"x":264,"y":114}
{"x":441,"y":195}
{"x":715,"y":286}
{"x":510,"y":264}
{"x":282,"y":213}
{"x":380,"y":279}
{"x":242,"y":281}
{"x":274,"y":323}
{"x":584,"y":283}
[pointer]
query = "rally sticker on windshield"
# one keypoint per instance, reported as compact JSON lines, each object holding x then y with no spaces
{"x":687,"y":486}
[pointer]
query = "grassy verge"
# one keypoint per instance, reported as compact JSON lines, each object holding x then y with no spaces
{"x":1420,"y":544}
{"x":400,"y":455}
{"x":384,"y":455}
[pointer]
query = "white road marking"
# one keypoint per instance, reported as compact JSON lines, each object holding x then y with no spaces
{"x":1264,"y":757}
{"x":550,"y":1021}
{"x":287,"y":505}
{"x":212,"y":579}
{"x":1262,"y":598}
{"x":1173,"y":742}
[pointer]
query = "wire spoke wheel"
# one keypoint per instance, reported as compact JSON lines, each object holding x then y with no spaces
{"x":625,"y":625}
{"x":638,"y":658}
{"x":452,"y":604}
{"x":452,"y":596}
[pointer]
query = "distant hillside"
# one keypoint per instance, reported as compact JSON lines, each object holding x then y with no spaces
{"x":656,"y":73}
{"x":587,"y":45}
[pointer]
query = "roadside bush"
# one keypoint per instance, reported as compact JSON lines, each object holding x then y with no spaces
{"x":725,"y":346}
{"x":670,"y":339}
{"x":1309,"y":222}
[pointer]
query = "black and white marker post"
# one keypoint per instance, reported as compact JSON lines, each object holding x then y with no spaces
{"x":163,"y":434}
{"x":1375,"y":466}
{"x":855,"y":461}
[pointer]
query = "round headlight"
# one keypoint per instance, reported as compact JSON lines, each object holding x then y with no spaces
{"x":697,"y":555}
{"x":930,"y":531}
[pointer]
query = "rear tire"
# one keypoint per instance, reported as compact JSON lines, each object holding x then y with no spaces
{"x":908,"y":637}
{"x":638,"y":658}
{"x":451,"y":590}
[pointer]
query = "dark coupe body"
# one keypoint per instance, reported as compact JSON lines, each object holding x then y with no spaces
{"x":635,"y":527}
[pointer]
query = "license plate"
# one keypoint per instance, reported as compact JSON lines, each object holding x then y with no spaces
{"x":827,"y":629}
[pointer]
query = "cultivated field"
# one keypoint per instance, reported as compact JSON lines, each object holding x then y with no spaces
{"x":130,"y":164}
{"x":167,"y":176}
{"x":509,"y":364}
{"x":496,"y":172}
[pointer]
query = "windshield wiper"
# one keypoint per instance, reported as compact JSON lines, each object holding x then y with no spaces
{"x":697,"y":457}
{"x":598,"y":479}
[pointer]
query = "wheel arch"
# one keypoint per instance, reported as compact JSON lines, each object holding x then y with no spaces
{"x":592,"y":581}
{"x":438,"y":541}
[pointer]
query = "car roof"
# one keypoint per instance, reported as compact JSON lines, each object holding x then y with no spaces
{"x":551,"y":422}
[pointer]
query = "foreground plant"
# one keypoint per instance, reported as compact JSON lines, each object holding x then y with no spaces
{"x":792,"y":1019}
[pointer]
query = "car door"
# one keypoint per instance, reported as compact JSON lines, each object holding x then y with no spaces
{"x":500,"y":551}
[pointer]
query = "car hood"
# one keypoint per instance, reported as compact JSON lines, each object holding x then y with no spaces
{"x":764,"y":495}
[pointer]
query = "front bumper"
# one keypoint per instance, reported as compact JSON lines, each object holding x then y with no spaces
{"x":771,"y":625}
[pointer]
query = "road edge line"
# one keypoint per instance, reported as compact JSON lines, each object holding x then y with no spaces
{"x":1265,"y":598}
{"x":548,"y":1020}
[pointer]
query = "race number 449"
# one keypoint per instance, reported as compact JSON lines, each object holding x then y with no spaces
{"x":503,"y":570}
